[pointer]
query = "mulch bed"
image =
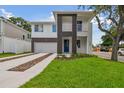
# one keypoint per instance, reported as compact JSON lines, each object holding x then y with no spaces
{"x":29,"y":64}
{"x":3,"y":60}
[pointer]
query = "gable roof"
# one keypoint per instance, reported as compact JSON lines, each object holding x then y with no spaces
{"x":10,"y":23}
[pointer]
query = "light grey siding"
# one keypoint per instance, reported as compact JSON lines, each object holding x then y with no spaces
{"x":11,"y":30}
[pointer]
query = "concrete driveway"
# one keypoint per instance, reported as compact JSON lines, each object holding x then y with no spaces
{"x":107,"y":55}
{"x":13,"y":79}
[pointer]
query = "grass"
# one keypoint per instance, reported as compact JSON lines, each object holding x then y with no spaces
{"x":6,"y":54}
{"x":2,"y":55}
{"x":89,"y":72}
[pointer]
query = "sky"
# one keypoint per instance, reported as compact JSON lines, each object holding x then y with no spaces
{"x":43,"y":13}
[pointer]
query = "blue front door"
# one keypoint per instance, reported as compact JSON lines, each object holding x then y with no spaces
{"x":66,"y":45}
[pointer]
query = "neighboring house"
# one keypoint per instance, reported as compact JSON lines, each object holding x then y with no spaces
{"x":70,"y":33}
{"x":13,"y":39}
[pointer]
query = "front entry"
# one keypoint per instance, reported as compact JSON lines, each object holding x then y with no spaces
{"x":66,"y":45}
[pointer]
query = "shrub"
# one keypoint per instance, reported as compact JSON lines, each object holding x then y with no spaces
{"x":83,"y":55}
{"x":73,"y":56}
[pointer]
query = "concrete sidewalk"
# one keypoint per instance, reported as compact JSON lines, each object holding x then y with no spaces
{"x":107,"y":55}
{"x":12,"y":79}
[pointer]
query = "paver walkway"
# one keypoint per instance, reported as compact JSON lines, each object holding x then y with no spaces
{"x":9,"y":79}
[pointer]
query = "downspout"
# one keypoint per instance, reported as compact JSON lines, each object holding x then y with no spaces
{"x":87,"y":39}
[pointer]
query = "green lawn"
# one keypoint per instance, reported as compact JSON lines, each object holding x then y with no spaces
{"x":90,"y":72}
{"x":2,"y":55}
{"x":6,"y":54}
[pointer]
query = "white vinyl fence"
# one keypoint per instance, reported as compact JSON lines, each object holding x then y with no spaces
{"x":15,"y":46}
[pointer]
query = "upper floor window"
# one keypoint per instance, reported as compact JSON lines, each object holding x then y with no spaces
{"x":67,"y":23}
{"x":36,"y":28}
{"x":53,"y":28}
{"x":79,"y":26}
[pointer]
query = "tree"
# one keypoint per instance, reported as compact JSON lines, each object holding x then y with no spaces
{"x":20,"y":22}
{"x":106,"y":40}
{"x":113,"y":19}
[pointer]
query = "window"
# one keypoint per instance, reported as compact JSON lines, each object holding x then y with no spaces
{"x":78,"y":43}
{"x":53,"y":28}
{"x":28,"y":35}
{"x":67,"y":23}
{"x":79,"y":26}
{"x":36,"y":28}
{"x":23,"y":37}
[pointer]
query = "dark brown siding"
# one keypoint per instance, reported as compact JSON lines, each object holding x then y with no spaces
{"x":44,"y":39}
{"x":66,"y":34}
{"x":74,"y":34}
{"x":61,"y":34}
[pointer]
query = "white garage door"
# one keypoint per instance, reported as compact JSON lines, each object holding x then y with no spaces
{"x":49,"y":47}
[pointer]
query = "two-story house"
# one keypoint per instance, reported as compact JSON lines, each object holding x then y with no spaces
{"x":70,"y":33}
{"x":13,"y":39}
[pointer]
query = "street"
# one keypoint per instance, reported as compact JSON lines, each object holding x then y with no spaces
{"x":107,"y":55}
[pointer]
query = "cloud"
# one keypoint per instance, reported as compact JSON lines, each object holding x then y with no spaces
{"x":90,"y":10}
{"x":108,"y":21}
{"x":5,"y":13}
{"x":102,"y":20}
{"x":51,"y":17}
